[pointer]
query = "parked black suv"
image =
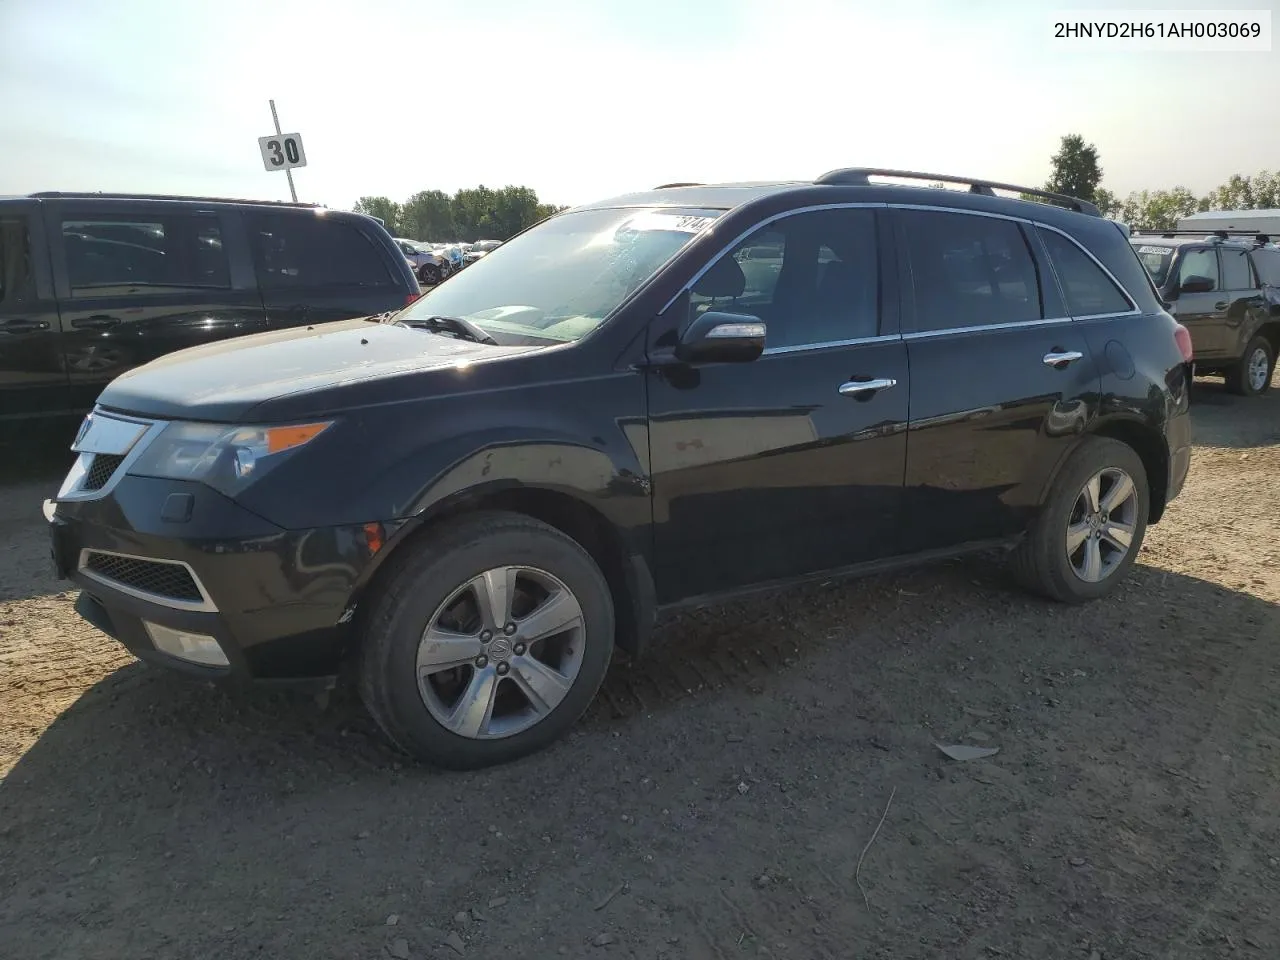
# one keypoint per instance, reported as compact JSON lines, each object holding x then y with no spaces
{"x":655,"y":400}
{"x":1225,"y":290}
{"x":94,"y":284}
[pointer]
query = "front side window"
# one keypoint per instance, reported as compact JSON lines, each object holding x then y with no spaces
{"x":110,"y":254}
{"x":811,"y":277}
{"x":1236,"y":274}
{"x":17,"y":283}
{"x":970,"y":271}
{"x":1199,"y":263}
{"x":312,"y":251}
{"x":559,"y":280}
{"x":1088,"y":290}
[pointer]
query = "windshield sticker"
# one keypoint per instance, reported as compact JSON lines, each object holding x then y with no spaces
{"x":1158,"y":250}
{"x":677,"y":222}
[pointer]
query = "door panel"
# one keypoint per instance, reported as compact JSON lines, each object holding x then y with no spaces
{"x":1203,"y":314}
{"x":766,"y":470}
{"x":138,"y":282}
{"x":33,"y":382}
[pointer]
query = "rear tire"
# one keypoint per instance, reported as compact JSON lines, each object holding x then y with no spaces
{"x":433,"y":633}
{"x":1090,"y":529}
{"x":1251,"y":377}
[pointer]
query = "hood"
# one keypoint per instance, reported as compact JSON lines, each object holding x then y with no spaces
{"x":225,"y":381}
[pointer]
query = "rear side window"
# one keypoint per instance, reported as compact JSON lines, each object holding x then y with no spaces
{"x":970,"y":271}
{"x":1267,"y":263}
{"x":1088,"y":290}
{"x":1236,"y":274}
{"x":311,"y":251}
{"x":1199,"y":263}
{"x":107,"y":253}
{"x":16,"y":280}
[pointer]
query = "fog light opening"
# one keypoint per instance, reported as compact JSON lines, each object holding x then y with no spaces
{"x":194,"y":647}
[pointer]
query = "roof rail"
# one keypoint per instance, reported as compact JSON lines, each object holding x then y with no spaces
{"x":859,"y":176}
{"x":668,"y":186}
{"x":86,"y":195}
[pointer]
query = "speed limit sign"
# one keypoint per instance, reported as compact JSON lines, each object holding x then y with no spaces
{"x":282,"y":151}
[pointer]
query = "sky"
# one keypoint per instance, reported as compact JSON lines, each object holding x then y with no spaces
{"x":584,"y":99}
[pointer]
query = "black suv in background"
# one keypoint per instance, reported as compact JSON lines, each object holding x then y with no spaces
{"x":659,"y":399}
{"x":94,"y":284}
{"x":1225,"y":290}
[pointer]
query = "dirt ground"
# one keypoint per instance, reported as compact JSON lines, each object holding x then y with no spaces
{"x":716,"y":801}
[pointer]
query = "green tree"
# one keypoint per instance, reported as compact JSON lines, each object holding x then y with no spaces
{"x":427,"y":215}
{"x":1109,"y":205}
{"x":1076,"y":172}
{"x":1159,"y":209}
{"x":382,"y":208}
{"x":1266,"y":190}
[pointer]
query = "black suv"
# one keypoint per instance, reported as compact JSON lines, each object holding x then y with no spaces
{"x":660,"y":399}
{"x":1225,"y":290}
{"x":94,"y":284}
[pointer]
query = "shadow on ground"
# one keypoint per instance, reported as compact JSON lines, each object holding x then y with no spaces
{"x":722,"y":791}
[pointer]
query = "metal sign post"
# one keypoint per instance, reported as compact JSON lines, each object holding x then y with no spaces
{"x":282,"y":152}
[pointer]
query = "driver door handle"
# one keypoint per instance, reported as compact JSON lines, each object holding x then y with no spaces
{"x":863,"y":389}
{"x":1060,"y":358}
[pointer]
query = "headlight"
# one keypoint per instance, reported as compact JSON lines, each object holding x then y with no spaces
{"x":227,"y":458}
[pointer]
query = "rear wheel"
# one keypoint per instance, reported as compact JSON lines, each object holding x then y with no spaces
{"x":487,"y":643}
{"x":1090,"y":529}
{"x":1251,"y":377}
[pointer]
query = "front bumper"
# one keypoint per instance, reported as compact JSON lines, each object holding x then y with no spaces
{"x":278,"y":602}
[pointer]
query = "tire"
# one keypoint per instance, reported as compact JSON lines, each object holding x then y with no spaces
{"x":1251,"y":377}
{"x":1041,"y":563}
{"x":429,"y":276}
{"x":430,"y":587}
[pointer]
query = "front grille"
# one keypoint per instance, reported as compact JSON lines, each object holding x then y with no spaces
{"x":169,"y":580}
{"x":101,"y":469}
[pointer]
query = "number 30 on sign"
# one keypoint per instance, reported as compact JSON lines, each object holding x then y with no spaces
{"x":282,"y":151}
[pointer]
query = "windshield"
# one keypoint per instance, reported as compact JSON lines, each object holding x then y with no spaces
{"x":561,"y":279}
{"x":1157,"y":260}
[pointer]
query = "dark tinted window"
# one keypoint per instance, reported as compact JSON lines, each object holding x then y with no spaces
{"x":16,"y":280}
{"x":144,"y":253}
{"x":1085,"y":285}
{"x":1267,"y":263}
{"x":1199,"y":263}
{"x":1236,"y":274}
{"x":968,"y":271}
{"x":311,"y":251}
{"x":811,"y":277}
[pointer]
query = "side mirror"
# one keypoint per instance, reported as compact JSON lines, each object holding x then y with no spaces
{"x":1196,"y":285}
{"x":722,"y":338}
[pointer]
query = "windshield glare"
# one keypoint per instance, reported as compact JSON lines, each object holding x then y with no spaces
{"x":1157,"y":259}
{"x":561,"y":279}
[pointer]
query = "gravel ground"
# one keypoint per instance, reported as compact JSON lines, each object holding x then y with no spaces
{"x":716,"y":801}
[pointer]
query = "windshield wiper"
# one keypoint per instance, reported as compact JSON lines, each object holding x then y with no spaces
{"x":458,"y":326}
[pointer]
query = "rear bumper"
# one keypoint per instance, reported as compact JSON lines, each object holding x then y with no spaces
{"x":277,"y":602}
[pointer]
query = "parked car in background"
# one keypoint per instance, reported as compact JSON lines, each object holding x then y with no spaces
{"x":609,"y":416}
{"x":1225,"y":289}
{"x":94,"y":284}
{"x":427,"y":264}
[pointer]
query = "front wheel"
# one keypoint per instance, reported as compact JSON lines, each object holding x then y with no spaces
{"x":487,"y":643}
{"x":1090,"y":529}
{"x":1251,"y":377}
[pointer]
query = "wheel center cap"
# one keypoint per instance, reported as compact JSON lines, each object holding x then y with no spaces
{"x":500,"y":649}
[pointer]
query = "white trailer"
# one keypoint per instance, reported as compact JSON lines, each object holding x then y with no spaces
{"x":1236,"y":221}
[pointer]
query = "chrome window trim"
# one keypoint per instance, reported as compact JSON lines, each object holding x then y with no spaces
{"x":829,"y":344}
{"x":204,"y":605}
{"x":1133,"y":310}
{"x":77,"y":493}
{"x":987,"y":327}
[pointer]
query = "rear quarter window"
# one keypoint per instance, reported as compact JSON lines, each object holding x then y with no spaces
{"x":1111,"y":247}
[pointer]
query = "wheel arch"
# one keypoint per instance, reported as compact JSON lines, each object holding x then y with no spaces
{"x":1146,"y":441}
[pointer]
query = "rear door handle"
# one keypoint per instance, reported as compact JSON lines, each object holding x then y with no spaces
{"x":1060,"y":358}
{"x":98,"y":322}
{"x":1221,"y":305}
{"x":863,"y":389}
{"x":23,"y":326}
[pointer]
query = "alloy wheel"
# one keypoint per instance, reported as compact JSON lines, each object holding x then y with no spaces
{"x":1102,"y":524}
{"x":1259,"y":369}
{"x":501,"y":652}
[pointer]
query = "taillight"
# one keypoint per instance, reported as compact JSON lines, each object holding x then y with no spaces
{"x":1182,"y":336}
{"x":409,"y":298}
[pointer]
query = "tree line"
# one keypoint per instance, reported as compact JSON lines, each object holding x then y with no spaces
{"x":477,"y":213}
{"x":1077,"y":172}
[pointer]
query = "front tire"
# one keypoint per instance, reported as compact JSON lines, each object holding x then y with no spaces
{"x":487,"y":643}
{"x":1251,"y":377}
{"x":1089,"y":532}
